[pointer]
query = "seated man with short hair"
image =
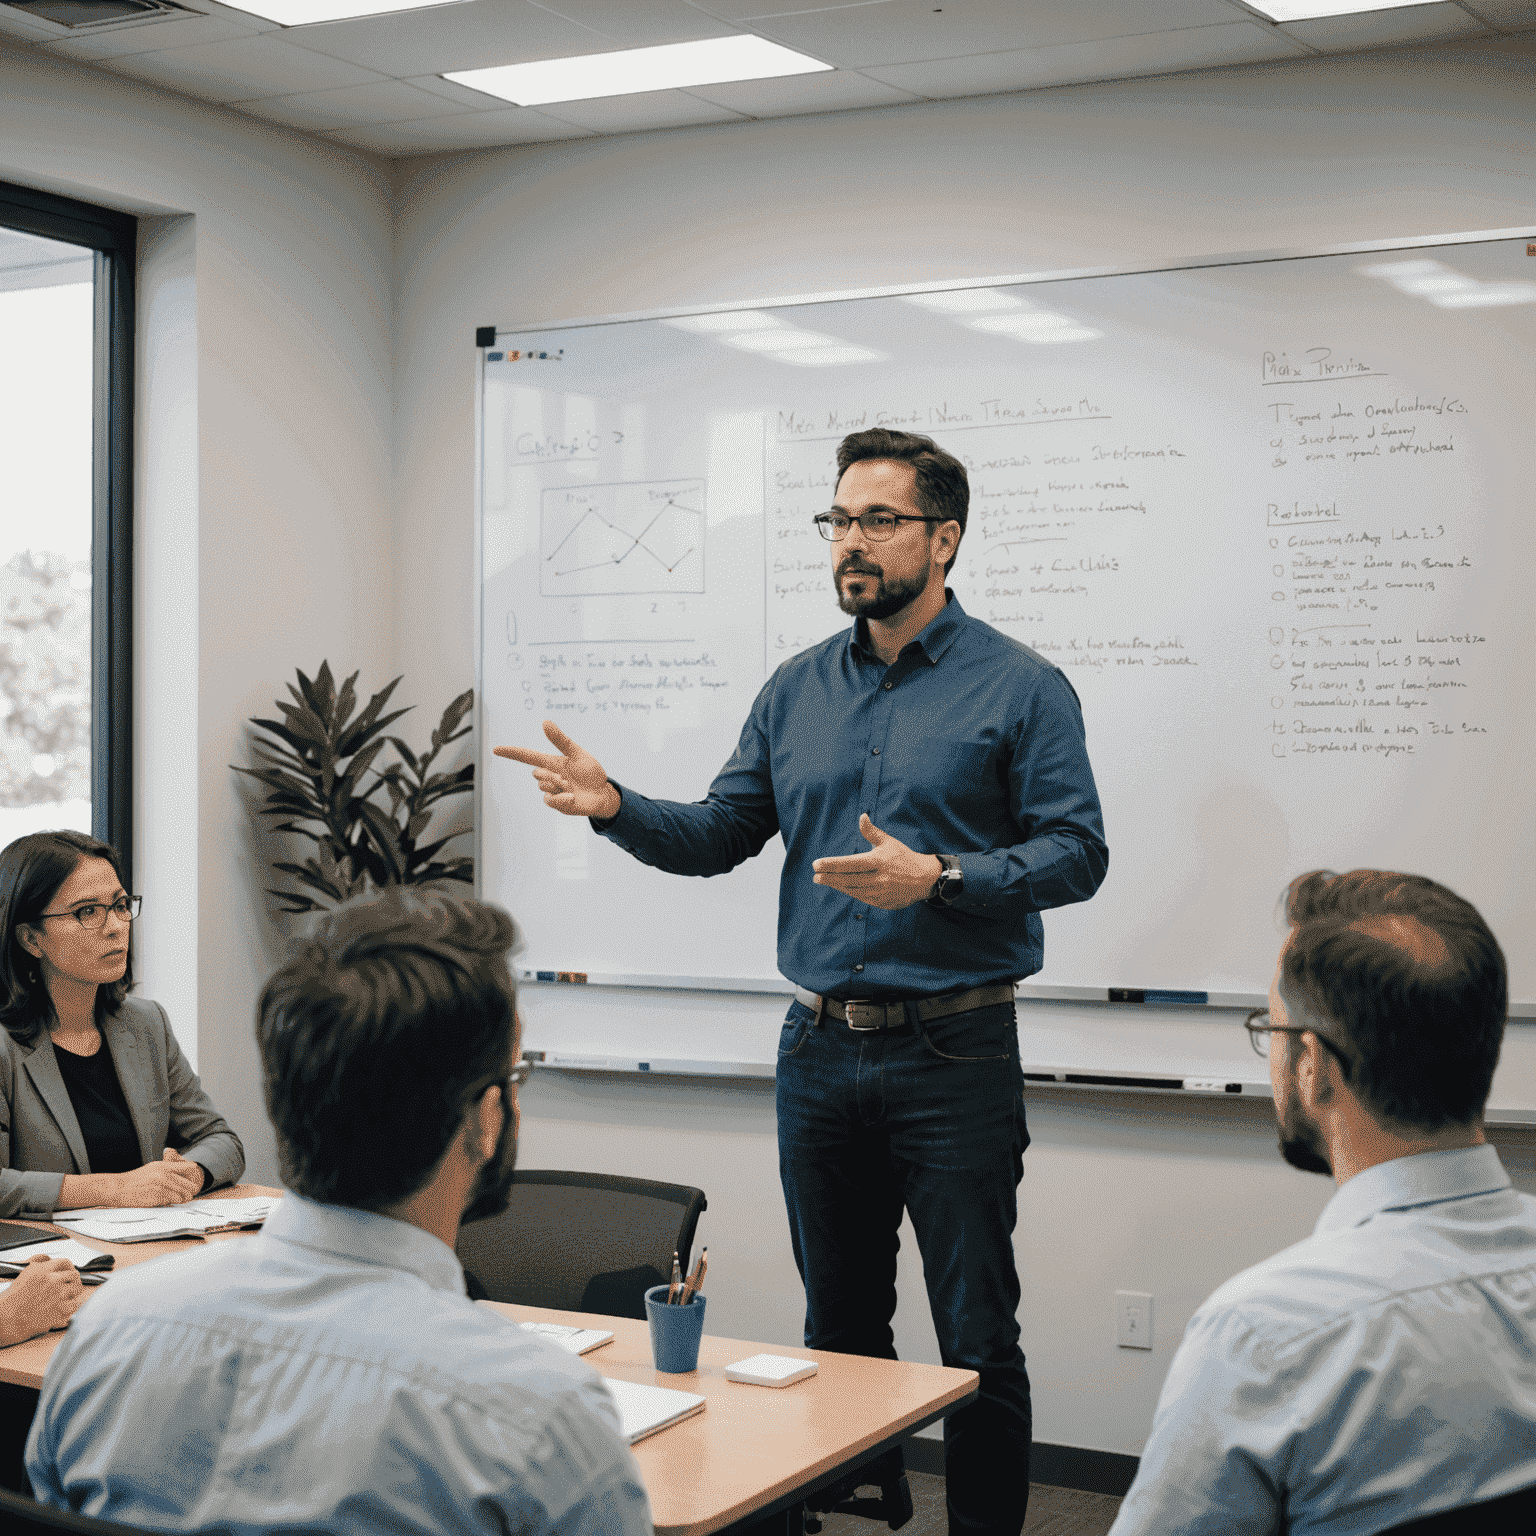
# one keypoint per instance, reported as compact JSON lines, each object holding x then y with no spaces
{"x":1384,"y":1369}
{"x":329,"y":1374}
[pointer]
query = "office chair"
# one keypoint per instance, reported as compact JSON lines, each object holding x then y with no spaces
{"x":1513,"y":1515}
{"x":20,"y":1515}
{"x":581,"y":1242}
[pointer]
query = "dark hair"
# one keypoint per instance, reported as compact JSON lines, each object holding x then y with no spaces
{"x":1411,"y":980}
{"x":378,"y":1035}
{"x":943,"y":487}
{"x":31,"y":871}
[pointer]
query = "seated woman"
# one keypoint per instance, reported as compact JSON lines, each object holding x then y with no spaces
{"x":99,"y":1106}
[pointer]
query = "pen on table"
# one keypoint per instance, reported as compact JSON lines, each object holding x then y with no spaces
{"x":696,"y":1279}
{"x":677,"y":1280}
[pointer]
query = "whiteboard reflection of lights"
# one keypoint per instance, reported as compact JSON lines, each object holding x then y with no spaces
{"x":1040,"y":327}
{"x":750,"y":330}
{"x":732,"y":320}
{"x":964,"y":301}
{"x":1447,"y":288}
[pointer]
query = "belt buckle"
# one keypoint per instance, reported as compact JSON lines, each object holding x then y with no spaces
{"x":855,"y":1003}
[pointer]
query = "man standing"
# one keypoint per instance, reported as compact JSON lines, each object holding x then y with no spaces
{"x":1381,"y":1371}
{"x":930,"y":780}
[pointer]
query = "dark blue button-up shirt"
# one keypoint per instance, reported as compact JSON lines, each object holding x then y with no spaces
{"x":968,"y":743}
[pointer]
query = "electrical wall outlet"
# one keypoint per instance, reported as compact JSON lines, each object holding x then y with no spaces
{"x":1133,"y":1320}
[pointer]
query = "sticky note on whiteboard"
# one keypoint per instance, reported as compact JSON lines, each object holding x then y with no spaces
{"x":770,"y":1370}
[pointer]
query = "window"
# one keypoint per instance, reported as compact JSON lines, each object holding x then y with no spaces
{"x":66,"y":413}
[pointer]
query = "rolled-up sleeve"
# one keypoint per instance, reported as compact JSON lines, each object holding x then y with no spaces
{"x":1063,"y":856}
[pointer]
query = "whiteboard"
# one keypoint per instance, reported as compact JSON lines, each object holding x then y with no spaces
{"x":1272,"y":517}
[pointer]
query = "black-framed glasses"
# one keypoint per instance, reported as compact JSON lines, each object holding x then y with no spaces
{"x":93,"y":914}
{"x":877,"y":526}
{"x":1259,"y":1033}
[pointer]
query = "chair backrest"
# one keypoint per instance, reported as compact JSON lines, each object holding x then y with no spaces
{"x":582,"y":1242}
{"x":1513,"y":1515}
{"x":23,"y":1516}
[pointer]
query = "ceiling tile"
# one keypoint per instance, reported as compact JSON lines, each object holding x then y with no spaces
{"x":1509,"y":15}
{"x":641,"y":23}
{"x":466,"y":36}
{"x":153,"y":37}
{"x":833,"y":92}
{"x":644,"y":109}
{"x":241,"y":69}
{"x":27,"y":28}
{"x":907,"y":31}
{"x":474,"y":130}
{"x":1160,"y":53}
{"x":1381,"y":29}
{"x":747,"y":10}
{"x":358,"y":106}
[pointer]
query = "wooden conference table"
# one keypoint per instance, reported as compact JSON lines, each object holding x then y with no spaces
{"x":752,"y":1453}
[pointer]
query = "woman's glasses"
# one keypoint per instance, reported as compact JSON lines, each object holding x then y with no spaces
{"x":93,"y":914}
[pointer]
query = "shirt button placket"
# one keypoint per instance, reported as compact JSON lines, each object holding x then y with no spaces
{"x":869,"y":794}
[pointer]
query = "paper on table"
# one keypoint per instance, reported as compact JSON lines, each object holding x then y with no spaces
{"x":140,"y":1224}
{"x":56,"y":1248}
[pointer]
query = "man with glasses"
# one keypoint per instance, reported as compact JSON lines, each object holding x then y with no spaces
{"x":330,"y":1374}
{"x":1383,"y":1370}
{"x":930,"y":781}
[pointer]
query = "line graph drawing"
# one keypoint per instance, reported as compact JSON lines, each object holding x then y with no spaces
{"x":626,"y":539}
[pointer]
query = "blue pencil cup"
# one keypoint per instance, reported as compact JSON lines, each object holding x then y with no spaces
{"x":675,"y":1331}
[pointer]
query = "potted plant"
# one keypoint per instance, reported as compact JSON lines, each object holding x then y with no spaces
{"x":321,"y":768}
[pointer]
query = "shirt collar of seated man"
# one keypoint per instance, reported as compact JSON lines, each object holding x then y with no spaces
{"x":1366,"y":1081}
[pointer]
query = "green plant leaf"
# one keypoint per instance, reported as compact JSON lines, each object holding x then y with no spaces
{"x":385,"y":836}
{"x":337,"y":724}
{"x":369,"y":716}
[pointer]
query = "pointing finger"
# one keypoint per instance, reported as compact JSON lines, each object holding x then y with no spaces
{"x":530,"y":759}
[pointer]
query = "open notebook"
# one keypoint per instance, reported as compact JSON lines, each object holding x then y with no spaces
{"x":197,"y":1218}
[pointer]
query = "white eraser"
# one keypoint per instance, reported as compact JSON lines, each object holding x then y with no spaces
{"x":770,"y":1370}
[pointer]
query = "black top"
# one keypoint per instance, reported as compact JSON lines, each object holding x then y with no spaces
{"x":111,"y":1143}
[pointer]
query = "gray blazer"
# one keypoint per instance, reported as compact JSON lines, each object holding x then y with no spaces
{"x":40,"y":1138}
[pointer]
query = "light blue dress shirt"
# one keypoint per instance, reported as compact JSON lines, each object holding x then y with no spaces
{"x":327,"y":1375}
{"x":1382,"y":1370}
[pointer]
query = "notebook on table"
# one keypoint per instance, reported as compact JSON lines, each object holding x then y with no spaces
{"x":577,"y":1340}
{"x":645,"y":1410}
{"x":154,"y":1224}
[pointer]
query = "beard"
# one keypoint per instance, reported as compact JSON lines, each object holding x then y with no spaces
{"x":1300,"y":1143}
{"x":492,"y":1190}
{"x":887,"y":599}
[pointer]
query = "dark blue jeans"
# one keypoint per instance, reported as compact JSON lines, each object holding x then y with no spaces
{"x":931,"y":1118}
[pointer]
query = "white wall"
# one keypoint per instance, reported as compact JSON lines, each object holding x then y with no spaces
{"x":263,"y":530}
{"x":1118,"y":1192}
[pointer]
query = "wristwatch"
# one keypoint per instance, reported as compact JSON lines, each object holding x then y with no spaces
{"x":950,"y":885}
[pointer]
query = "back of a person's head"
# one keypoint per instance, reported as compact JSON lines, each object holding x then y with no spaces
{"x":1406,"y":976}
{"x":382,"y":1029}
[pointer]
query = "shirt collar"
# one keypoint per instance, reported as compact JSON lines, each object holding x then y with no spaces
{"x":1425,"y":1178}
{"x":936,"y":638}
{"x":365,"y":1237}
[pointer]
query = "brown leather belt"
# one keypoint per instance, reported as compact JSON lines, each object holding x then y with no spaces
{"x":858,"y":1013}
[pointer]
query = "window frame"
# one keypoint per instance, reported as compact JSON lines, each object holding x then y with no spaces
{"x":113,"y":238}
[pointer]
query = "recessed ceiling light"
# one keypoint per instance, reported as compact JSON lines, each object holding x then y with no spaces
{"x":1306,"y":10}
{"x":304,"y":13}
{"x":712,"y":61}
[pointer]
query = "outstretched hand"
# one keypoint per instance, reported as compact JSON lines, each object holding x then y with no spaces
{"x":890,"y":875}
{"x":573,"y":781}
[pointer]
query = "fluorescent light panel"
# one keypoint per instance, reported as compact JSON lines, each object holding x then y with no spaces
{"x":711,"y":61}
{"x":304,"y":13}
{"x":962,"y":301}
{"x":1306,"y":10}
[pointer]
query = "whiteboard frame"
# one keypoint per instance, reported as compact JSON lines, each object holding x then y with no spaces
{"x":1023,"y":990}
